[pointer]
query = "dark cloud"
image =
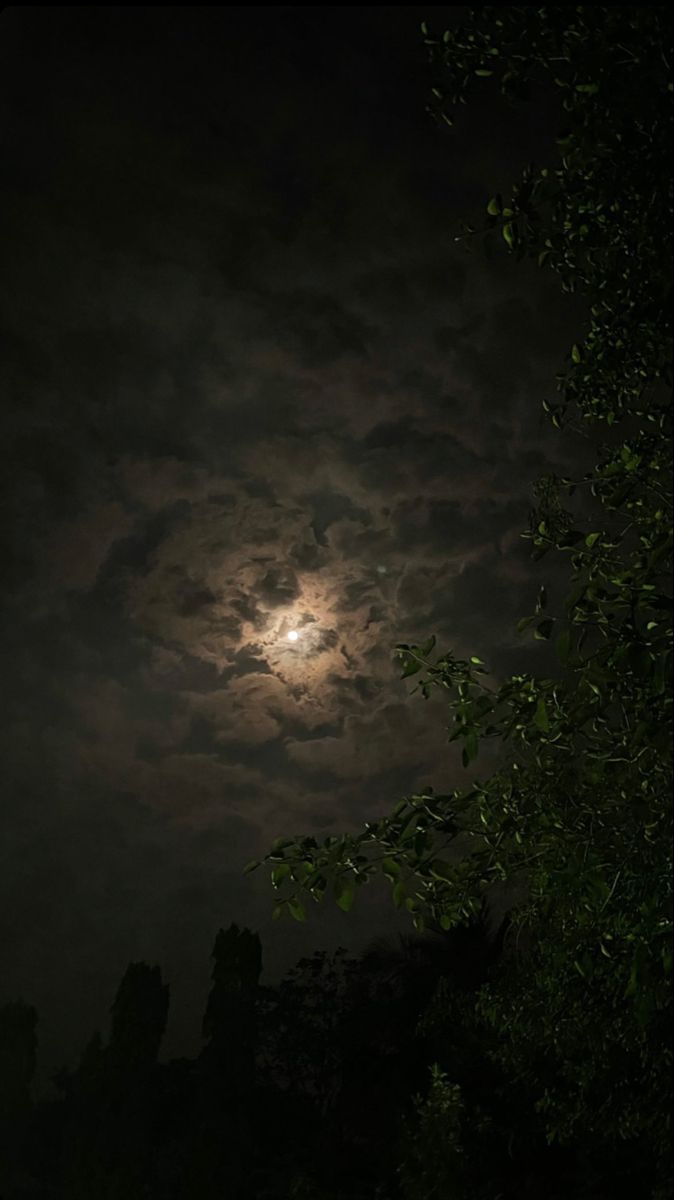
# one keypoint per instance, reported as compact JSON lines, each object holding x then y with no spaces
{"x":328,"y":507}
{"x":133,"y":554}
{"x":278,"y":586}
{"x":316,"y":329}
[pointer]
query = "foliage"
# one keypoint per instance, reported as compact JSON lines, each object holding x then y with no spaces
{"x":300,"y":1022}
{"x":579,"y":809}
{"x":433,"y":1165}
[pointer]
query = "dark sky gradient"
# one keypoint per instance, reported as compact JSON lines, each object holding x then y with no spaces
{"x":249,"y":383}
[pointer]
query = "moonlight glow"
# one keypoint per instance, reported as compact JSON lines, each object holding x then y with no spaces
{"x":293,"y":635}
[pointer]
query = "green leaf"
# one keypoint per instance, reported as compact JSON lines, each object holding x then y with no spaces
{"x":419,"y":840}
{"x":575,"y":353}
{"x":297,"y":910}
{"x":281,"y":844}
{"x":345,"y":899}
{"x":399,"y":893}
{"x":411,"y":668}
{"x":390,"y":868}
{"x":541,"y":718}
{"x":544,"y":629}
{"x":441,"y":869}
{"x":408,"y":831}
{"x":494,"y":207}
{"x":470,"y":748}
{"x":280,"y":873}
{"x":591,"y":539}
{"x":483,"y":72}
{"x":510,"y":235}
{"x":251,"y":866}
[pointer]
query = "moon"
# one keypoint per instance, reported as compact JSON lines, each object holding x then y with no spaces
{"x":293,"y":635}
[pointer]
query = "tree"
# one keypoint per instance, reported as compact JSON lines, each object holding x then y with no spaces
{"x":578,"y":812}
{"x":221,"y":1152}
{"x":110,"y":1099}
{"x":433,"y":1163}
{"x":301,"y":1048}
{"x":230,"y":1021}
{"x":18,"y":1044}
{"x":139,"y":1015}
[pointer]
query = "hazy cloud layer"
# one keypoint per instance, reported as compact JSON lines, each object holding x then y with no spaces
{"x":250,"y":385}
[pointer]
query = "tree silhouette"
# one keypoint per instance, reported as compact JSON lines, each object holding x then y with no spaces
{"x":18,"y":1045}
{"x":111,"y":1101}
{"x":465,"y":954}
{"x":230,"y":1020}
{"x":139,"y":1015}
{"x":222,"y":1148}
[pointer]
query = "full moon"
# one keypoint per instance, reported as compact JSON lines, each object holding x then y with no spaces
{"x":293,"y":635}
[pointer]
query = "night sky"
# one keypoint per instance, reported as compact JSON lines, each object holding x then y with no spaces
{"x":250,"y":384}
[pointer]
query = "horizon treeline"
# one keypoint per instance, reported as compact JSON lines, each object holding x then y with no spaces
{"x":326,"y":1085}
